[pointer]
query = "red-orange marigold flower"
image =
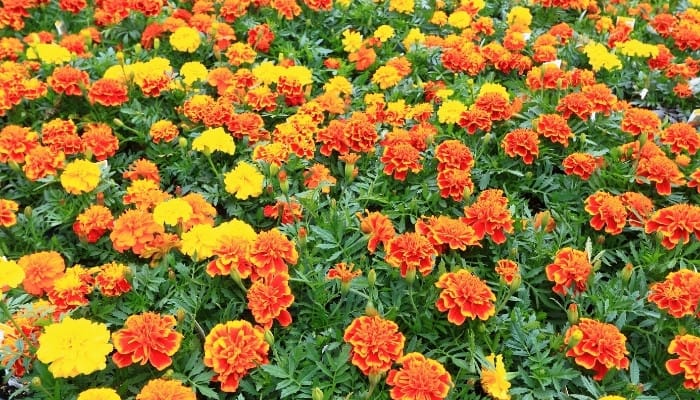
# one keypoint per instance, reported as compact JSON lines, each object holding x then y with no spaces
{"x":681,"y":136}
{"x":8,"y":209}
{"x":40,"y":271}
{"x":602,"y":346}
{"x":454,"y":154}
{"x":70,"y":290}
{"x":268,"y":300}
{"x":112,"y":279}
{"x":508,"y":270}
{"x":68,"y":80}
{"x":569,"y":271}
{"x":146,"y":338}
{"x":135,"y":230}
{"x":475,"y":119}
{"x":678,"y":294}
{"x":108,"y":92}
{"x":443,"y":231}
{"x":489,"y":214}
{"x":61,"y":135}
{"x":608,"y":212}
{"x":379,"y":228}
{"x":100,"y":141}
{"x":419,"y":378}
{"x":521,"y":142}
{"x":463,"y":296}
{"x":601,"y":97}
{"x":142,"y":169}
{"x":662,"y":171}
{"x":163,"y":131}
{"x":411,"y":252}
{"x":232,"y":349}
{"x":361,"y":133}
{"x":580,"y":164}
{"x":319,"y":175}
{"x":555,"y":128}
{"x":165,"y":389}
{"x":41,"y":161}
{"x":497,"y":105}
{"x":575,"y":103}
{"x":344,"y":272}
{"x":399,"y":158}
{"x":376,"y":344}
{"x":16,"y":142}
{"x":638,"y":120}
{"x":271,"y":253}
{"x":455,"y":183}
{"x":92,"y":223}
{"x":694,"y":180}
{"x":675,"y":223}
{"x":639,"y":208}
{"x":687,"y":348}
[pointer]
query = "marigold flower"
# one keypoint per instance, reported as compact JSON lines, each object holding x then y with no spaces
{"x":607,"y":210}
{"x":443,"y":231}
{"x":554,"y":127}
{"x":269,"y":298}
{"x":681,"y":136}
{"x":569,"y":271}
{"x":146,"y":338}
{"x":493,"y":378}
{"x":319,"y":175}
{"x":165,"y":389}
{"x":490,"y":215}
{"x":70,"y":290}
{"x":612,"y":397}
{"x":544,"y":220}
{"x":144,"y":194}
{"x":108,"y":92}
{"x":16,"y":142}
{"x":199,"y":241}
{"x":135,"y":230}
{"x":244,"y":181}
{"x":639,"y":208}
{"x":68,"y":80}
{"x":454,"y":183}
{"x":80,"y":176}
{"x":142,"y":169}
{"x":379,"y":228}
{"x":638,"y":120}
{"x":580,"y":164}
{"x":112,"y":279}
{"x":41,"y":270}
{"x":662,"y":171}
{"x":11,"y":275}
{"x":464,"y":296}
{"x":8,"y":210}
{"x":99,"y":141}
{"x":497,"y":105}
{"x":212,"y":140}
{"x":678,"y":294}
{"x":575,"y":103}
{"x":675,"y":223}
{"x":398,"y":159}
{"x":99,"y":394}
{"x":386,"y":76}
{"x":232,"y":349}
{"x":376,"y":344}
{"x":601,"y":97}
{"x":172,"y":212}
{"x":163,"y":131}
{"x":419,"y":378}
{"x":271,"y":252}
{"x":454,"y":154}
{"x":185,"y":39}
{"x":508,"y":270}
{"x":521,"y":142}
{"x":694,"y":180}
{"x":411,"y":252}
{"x":686,"y":347}
{"x":240,"y":53}
{"x":601,"y":347}
{"x":41,"y":161}
{"x":232,"y":247}
{"x":345,"y":273}
{"x":73,"y":347}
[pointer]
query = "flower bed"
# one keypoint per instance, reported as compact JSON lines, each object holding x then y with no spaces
{"x":388,"y":200}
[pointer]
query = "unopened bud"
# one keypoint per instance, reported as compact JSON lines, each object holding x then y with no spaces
{"x":349,"y":172}
{"x":371,"y":277}
{"x":572,"y":313}
{"x":118,"y":122}
{"x":487,"y":137}
{"x":182,"y":142}
{"x":180,"y":315}
{"x":642,"y":139}
{"x":575,"y":338}
{"x":515,"y":283}
{"x":156,"y":43}
{"x":36,"y":381}
{"x":137,"y":48}
{"x":269,"y":337}
{"x":600,"y":239}
{"x":596,"y":265}
{"x":120,"y":57}
{"x":169,"y":373}
{"x":171,"y":274}
{"x":442,"y":268}
{"x":14,"y":166}
{"x":28,"y":211}
{"x":284,"y":182}
{"x":316,"y":393}
{"x":274,"y":169}
{"x":370,"y":310}
{"x":627,"y":272}
{"x":410,"y":275}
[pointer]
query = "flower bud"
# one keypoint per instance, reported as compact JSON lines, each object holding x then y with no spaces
{"x":156,"y":44}
{"x":627,"y":272}
{"x":371,"y":277}
{"x":120,"y":57}
{"x":515,"y":283}
{"x":182,"y":142}
{"x":596,"y":265}
{"x":575,"y":338}
{"x":274,"y":169}
{"x":236,"y":276}
{"x":284,"y":183}
{"x":28,"y":211}
{"x":350,"y":172}
{"x":317,"y":393}
{"x":137,"y":48}
{"x":642,"y":139}
{"x":600,"y":239}
{"x":118,"y":122}
{"x":180,"y":314}
{"x":410,"y":275}
{"x":370,"y":310}
{"x":269,"y":337}
{"x":171,"y":274}
{"x":572,"y":313}
{"x":14,"y":166}
{"x":36,"y":381}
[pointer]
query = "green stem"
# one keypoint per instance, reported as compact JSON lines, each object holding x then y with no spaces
{"x":213,"y":168}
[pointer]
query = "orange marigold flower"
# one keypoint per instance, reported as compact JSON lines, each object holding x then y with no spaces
{"x":361,"y":133}
{"x":454,"y":154}
{"x":287,"y":8}
{"x":232,"y":349}
{"x":575,"y":103}
{"x":569,"y":271}
{"x":345,"y":273}
{"x":260,"y":37}
{"x":163,"y":131}
{"x":287,"y":212}
{"x":490,"y":215}
{"x":271,"y":252}
{"x":497,"y":105}
{"x":687,"y":348}
{"x":675,"y":223}
{"x":508,"y":270}
{"x":61,"y":135}
{"x":376,"y":344}
{"x":40,"y":271}
{"x":638,"y":120}
{"x":544,"y":220}
{"x":639,"y":208}
{"x":165,"y":389}
{"x":68,"y":80}
{"x":146,"y":338}
{"x":662,"y":171}
{"x":8,"y":210}
{"x":135,"y":230}
{"x":454,"y":182}
{"x":554,"y":127}
{"x":379,"y":228}
{"x":232,"y":251}
{"x":694,"y":181}
{"x":443,"y":232}
{"x":580,"y":164}
{"x":112,"y":279}
{"x":70,"y":290}
{"x":41,"y":161}
{"x":108,"y":92}
{"x":16,"y":142}
{"x":92,"y":223}
{"x":601,"y":97}
{"x":399,"y":158}
{"x":144,"y":194}
{"x":464,"y":296}
{"x":678,"y":294}
{"x":419,"y":378}
{"x":240,"y":53}
{"x":521,"y":142}
{"x":142,"y":169}
{"x":268,"y":300}
{"x":319,"y":175}
{"x":411,"y":252}
{"x":681,"y":136}
{"x":99,"y":140}
{"x":608,"y":212}
{"x":602,"y":346}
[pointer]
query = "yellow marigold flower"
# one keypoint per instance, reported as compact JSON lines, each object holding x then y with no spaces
{"x":439,"y":18}
{"x":266,"y":72}
{"x":74,"y":346}
{"x":352,"y":40}
{"x":402,"y":6}
{"x":386,"y":76}
{"x":599,"y":57}
{"x":300,"y":73}
{"x":244,"y":181}
{"x":193,"y":71}
{"x":199,"y":242}
{"x":237,"y":228}
{"x":612,"y":398}
{"x":493,"y":378}
{"x":635,"y":48}
{"x":11,"y":275}
{"x":459,"y":19}
{"x":80,"y":176}
{"x":185,"y":39}
{"x":338,"y":84}
{"x":413,"y":37}
{"x":519,"y":16}
{"x":214,"y":139}
{"x":694,"y":3}
{"x":450,"y":111}
{"x":172,"y":211}
{"x":49,"y":53}
{"x":384,"y":33}
{"x":99,"y":394}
